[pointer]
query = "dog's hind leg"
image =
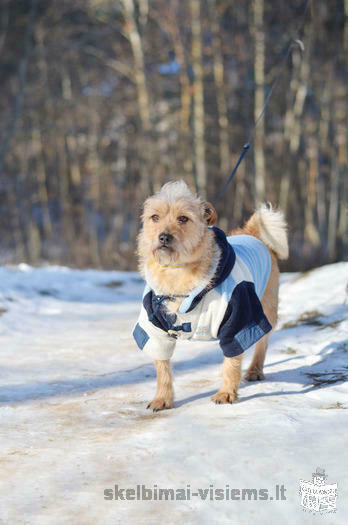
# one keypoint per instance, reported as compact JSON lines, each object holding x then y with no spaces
{"x":165,"y":392}
{"x":231,"y":372}
{"x":255,"y":370}
{"x":270,"y":307}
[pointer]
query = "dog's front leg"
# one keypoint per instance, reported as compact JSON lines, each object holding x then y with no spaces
{"x":231,"y":372}
{"x":165,"y":392}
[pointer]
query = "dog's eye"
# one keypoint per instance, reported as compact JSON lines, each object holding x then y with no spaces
{"x":154,"y":218}
{"x":182,"y":219}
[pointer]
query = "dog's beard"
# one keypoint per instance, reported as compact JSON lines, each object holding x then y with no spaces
{"x":165,"y":254}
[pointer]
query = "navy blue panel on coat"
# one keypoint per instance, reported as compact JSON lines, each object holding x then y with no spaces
{"x":156,"y":313}
{"x":244,"y":322}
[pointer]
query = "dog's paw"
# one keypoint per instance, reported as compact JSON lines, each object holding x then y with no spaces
{"x":160,"y":403}
{"x":221,"y":398}
{"x":254,"y":374}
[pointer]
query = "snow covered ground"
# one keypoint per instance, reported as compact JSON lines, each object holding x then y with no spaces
{"x":74,"y":390}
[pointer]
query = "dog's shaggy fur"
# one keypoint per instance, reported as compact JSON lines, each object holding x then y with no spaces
{"x":177,"y":252}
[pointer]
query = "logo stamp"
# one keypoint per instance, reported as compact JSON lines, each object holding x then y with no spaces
{"x":318,"y":495}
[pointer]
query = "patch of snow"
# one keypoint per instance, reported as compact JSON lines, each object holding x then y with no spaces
{"x":74,"y":389}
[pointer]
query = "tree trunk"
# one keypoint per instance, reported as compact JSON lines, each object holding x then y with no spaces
{"x":22,"y":76}
{"x":218,"y":68}
{"x":143,"y":98}
{"x":139,"y":66}
{"x":172,"y":26}
{"x":341,"y":141}
{"x":259,"y":99}
{"x":40,"y":173}
{"x":198,"y":98}
{"x":292,"y":122}
{"x":311,"y":232}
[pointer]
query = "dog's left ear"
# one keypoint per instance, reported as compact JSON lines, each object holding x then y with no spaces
{"x":209,"y":213}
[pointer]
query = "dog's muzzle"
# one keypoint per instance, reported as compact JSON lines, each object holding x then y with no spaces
{"x":165,"y":239}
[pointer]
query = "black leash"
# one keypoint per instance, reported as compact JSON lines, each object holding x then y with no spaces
{"x":247,"y":145}
{"x":241,"y":157}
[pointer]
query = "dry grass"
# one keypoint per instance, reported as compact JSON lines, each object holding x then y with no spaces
{"x":334,"y":406}
{"x":307,"y":318}
{"x":289,"y":351}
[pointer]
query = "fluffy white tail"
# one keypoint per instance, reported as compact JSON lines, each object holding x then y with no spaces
{"x":273,"y":230}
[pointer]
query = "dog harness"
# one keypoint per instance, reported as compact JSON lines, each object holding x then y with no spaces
{"x":228,"y":309}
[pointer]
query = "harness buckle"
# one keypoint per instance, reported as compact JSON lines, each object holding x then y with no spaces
{"x":184,"y":327}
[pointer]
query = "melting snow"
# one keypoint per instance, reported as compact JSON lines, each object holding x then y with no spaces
{"x":74,"y":389}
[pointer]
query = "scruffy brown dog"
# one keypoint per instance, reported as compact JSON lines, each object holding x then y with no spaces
{"x":202,"y":285}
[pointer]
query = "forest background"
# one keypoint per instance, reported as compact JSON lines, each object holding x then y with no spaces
{"x":103,"y":101}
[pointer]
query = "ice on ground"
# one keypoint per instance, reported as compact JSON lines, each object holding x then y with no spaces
{"x":73,"y":395}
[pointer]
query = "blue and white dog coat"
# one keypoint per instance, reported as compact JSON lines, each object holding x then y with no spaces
{"x":229,"y":310}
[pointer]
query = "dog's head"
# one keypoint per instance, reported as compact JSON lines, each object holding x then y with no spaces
{"x":174,"y":225}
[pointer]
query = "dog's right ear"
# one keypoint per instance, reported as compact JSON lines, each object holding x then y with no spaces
{"x":209,"y":213}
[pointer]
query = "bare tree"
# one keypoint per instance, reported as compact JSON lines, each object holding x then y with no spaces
{"x":198,"y":98}
{"x":218,"y":68}
{"x":22,"y":76}
{"x":259,"y":98}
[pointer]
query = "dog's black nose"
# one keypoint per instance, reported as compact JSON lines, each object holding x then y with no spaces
{"x":165,"y":238}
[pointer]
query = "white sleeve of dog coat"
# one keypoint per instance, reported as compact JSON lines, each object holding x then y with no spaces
{"x":156,"y":343}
